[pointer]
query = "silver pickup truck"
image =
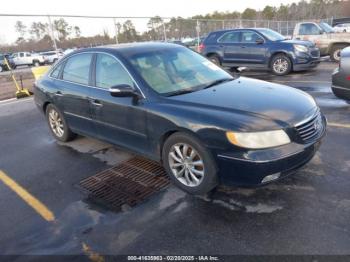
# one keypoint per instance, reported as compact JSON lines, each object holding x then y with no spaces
{"x":323,"y":35}
{"x":26,"y":58}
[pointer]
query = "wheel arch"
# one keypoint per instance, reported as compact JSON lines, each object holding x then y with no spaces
{"x":169,"y":133}
{"x":331,"y":45}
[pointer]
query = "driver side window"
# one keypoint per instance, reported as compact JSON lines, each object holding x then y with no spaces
{"x":109,"y":72}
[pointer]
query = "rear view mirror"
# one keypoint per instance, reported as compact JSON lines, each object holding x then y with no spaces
{"x":123,"y":90}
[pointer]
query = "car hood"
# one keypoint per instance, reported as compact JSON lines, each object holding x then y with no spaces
{"x":252,"y":98}
{"x":299,"y":42}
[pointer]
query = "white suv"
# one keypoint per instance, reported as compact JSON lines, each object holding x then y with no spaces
{"x":51,"y":57}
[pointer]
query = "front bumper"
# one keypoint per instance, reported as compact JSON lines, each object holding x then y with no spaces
{"x":249,"y":168}
{"x":305,"y":61}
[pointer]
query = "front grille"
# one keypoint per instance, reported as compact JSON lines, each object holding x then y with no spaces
{"x":311,"y":128}
{"x":315,"y":53}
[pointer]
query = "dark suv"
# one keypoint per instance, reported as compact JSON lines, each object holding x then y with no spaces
{"x":259,"y":48}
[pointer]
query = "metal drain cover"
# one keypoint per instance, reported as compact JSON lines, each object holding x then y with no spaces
{"x":128,"y":183}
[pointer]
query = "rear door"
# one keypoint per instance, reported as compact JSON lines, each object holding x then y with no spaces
{"x":252,"y":51}
{"x":73,"y":90}
{"x":120,"y":120}
{"x":229,"y":43}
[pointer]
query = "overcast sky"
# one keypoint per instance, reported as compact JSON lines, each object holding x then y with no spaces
{"x":164,"y":8}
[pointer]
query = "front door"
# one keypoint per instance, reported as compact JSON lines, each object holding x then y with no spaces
{"x":253,"y":48}
{"x":120,"y":120}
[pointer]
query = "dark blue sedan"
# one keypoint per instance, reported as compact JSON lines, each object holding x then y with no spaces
{"x":259,"y":48}
{"x":172,"y":105}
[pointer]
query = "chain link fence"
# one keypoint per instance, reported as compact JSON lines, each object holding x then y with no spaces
{"x":45,"y":32}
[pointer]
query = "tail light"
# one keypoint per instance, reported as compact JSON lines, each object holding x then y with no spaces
{"x":348,"y":78}
{"x":201,"y":47}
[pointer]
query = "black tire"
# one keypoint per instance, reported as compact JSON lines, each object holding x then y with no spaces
{"x":335,"y":52}
{"x":215,"y":59}
{"x":68,"y":135}
{"x":36,"y":63}
{"x":285,"y":61}
{"x":209,"y":180}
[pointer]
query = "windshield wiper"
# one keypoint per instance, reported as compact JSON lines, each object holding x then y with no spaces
{"x":219,"y":81}
{"x":180,"y":92}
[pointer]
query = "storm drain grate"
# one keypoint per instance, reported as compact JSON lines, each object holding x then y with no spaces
{"x":128,"y":183}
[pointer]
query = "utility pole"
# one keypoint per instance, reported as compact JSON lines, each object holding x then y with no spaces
{"x":52,"y":34}
{"x":116,"y":29}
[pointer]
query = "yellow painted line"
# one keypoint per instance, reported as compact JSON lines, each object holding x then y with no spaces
{"x":339,"y":125}
{"x":39,"y":71}
{"x":39,"y":207}
{"x":93,"y":256}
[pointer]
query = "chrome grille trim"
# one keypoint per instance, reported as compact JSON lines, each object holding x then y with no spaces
{"x":310,"y":128}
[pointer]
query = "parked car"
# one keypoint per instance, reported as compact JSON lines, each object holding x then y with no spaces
{"x":323,"y":35}
{"x":3,"y":65}
{"x":52,"y":57}
{"x":342,"y":28}
{"x":26,"y":58}
{"x":169,"y":103}
{"x":259,"y":48}
{"x":341,"y":76}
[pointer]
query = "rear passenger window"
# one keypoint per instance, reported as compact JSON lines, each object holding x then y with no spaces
{"x":56,"y":72}
{"x":109,"y":72}
{"x":77,"y":69}
{"x":230,"y":37}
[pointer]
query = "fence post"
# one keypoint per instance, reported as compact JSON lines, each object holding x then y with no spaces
{"x":52,"y":33}
{"x":116,"y":30}
{"x":223,"y":24}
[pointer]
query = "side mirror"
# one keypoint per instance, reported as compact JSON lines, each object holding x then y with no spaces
{"x":259,"y":41}
{"x":242,"y":69}
{"x":123,"y":90}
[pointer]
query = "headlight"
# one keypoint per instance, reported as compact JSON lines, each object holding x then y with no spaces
{"x":258,"y":140}
{"x":301,"y":48}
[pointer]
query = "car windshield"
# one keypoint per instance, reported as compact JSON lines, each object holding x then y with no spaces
{"x":173,"y":71}
{"x":272,"y":35}
{"x":326,"y":27}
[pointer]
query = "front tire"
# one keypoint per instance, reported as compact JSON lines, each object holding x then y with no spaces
{"x":58,"y":125}
{"x":189,"y":165}
{"x":281,"y":65}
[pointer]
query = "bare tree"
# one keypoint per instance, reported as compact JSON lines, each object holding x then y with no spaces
{"x":20,"y":28}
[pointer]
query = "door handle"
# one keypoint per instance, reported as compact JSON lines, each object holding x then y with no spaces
{"x":96,"y":102}
{"x":58,"y":93}
{"x":243,"y":46}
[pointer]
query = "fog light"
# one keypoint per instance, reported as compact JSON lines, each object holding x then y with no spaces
{"x":271,"y":177}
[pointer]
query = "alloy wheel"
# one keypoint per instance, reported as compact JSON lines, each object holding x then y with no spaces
{"x":56,"y":123}
{"x":280,"y":65}
{"x":186,"y":164}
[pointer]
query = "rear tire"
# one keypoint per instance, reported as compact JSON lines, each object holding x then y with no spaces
{"x":189,"y":165}
{"x":58,"y":125}
{"x":36,"y":63}
{"x":215,"y":59}
{"x":281,"y":65}
{"x":335,"y":52}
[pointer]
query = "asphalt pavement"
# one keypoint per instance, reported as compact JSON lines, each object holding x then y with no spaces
{"x":307,"y":213}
